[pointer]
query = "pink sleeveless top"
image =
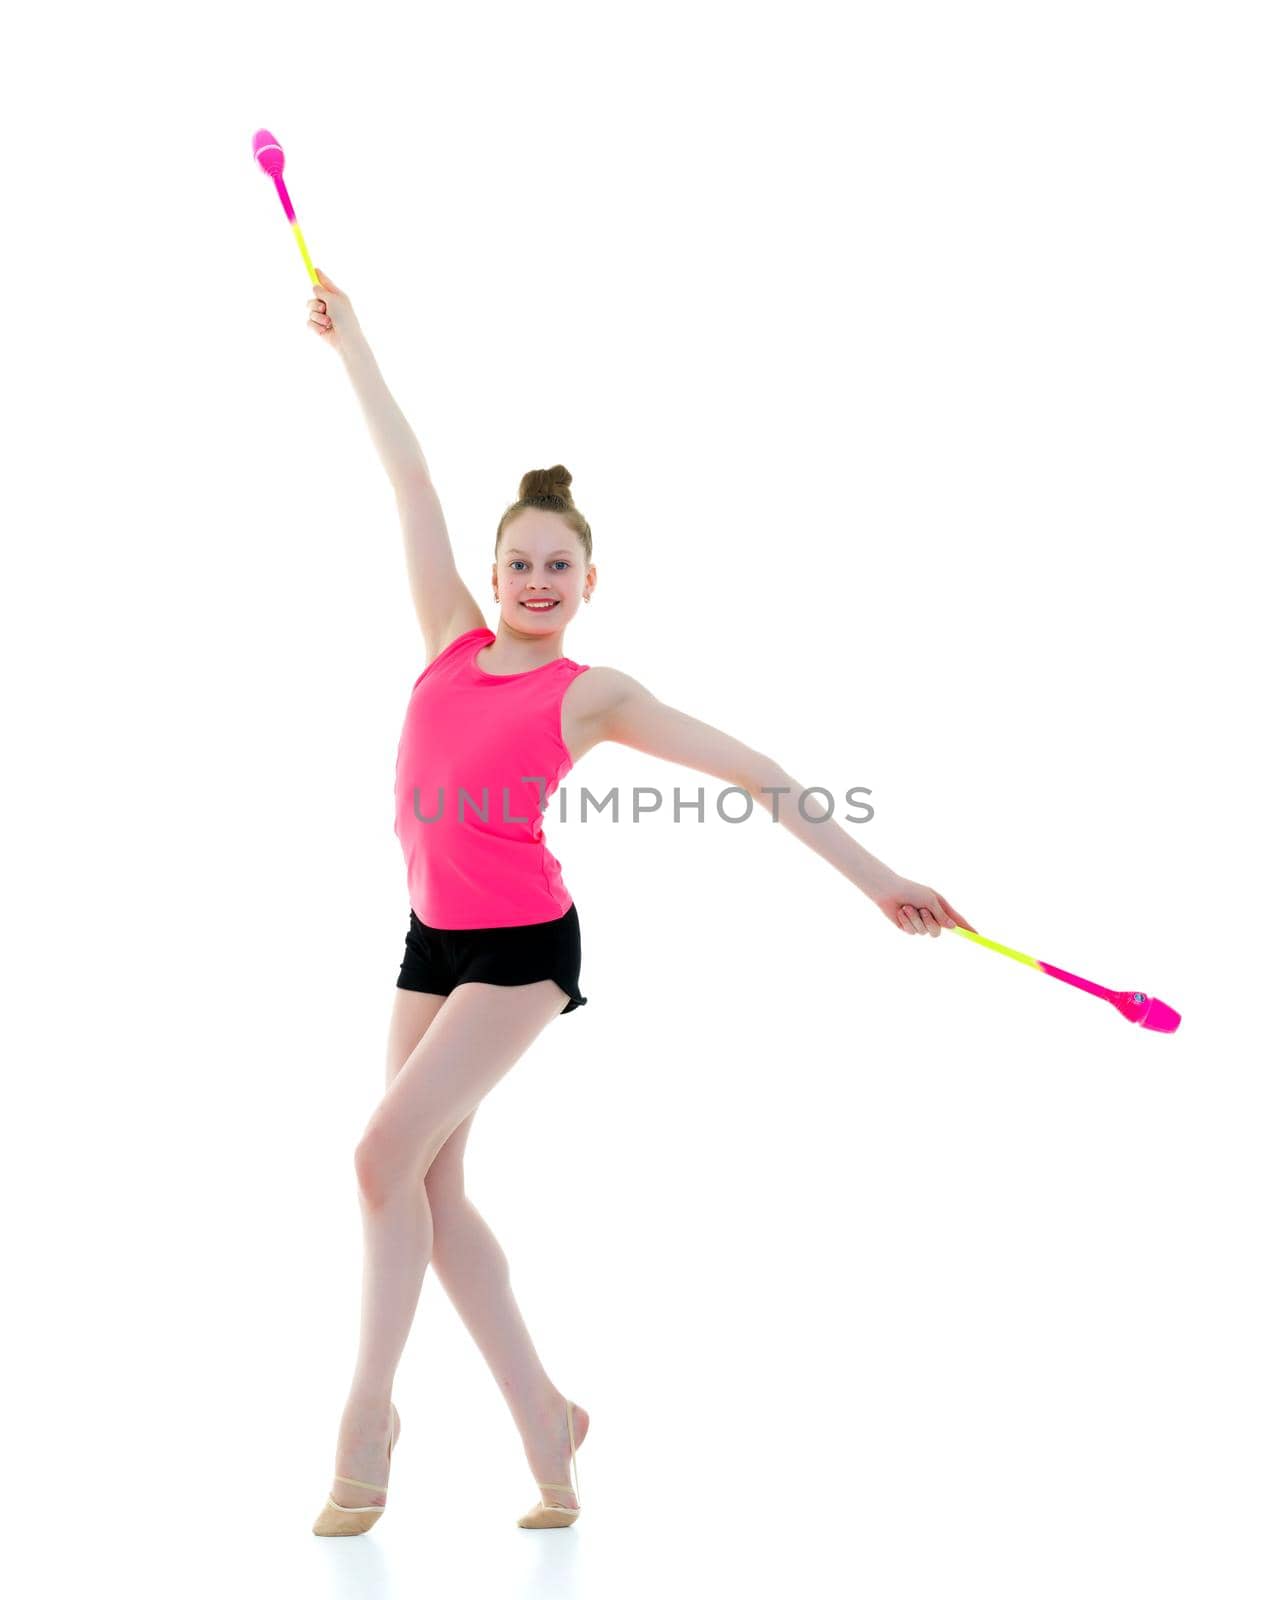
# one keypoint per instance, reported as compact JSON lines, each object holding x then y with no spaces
{"x":476,"y":855}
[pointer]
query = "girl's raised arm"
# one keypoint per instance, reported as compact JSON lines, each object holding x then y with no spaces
{"x":628,"y":714}
{"x":444,"y":605}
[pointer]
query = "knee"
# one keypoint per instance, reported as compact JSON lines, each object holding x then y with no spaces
{"x":380,"y":1168}
{"x":371,"y":1169}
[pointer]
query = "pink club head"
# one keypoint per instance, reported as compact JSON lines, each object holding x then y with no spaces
{"x":267,"y":153}
{"x":1146,"y":1011}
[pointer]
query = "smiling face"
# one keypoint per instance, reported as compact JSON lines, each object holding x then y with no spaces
{"x":540,"y":559}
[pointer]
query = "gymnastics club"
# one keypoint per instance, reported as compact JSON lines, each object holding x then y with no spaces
{"x":270,"y":157}
{"x":1144,"y":1009}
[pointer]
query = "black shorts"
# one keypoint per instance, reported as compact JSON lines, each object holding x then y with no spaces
{"x":437,"y":960}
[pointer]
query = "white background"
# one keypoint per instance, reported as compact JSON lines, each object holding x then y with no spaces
{"x":916,"y":366}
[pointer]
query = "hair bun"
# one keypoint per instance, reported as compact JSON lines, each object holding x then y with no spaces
{"x":547,"y":489}
{"x":547,"y":483}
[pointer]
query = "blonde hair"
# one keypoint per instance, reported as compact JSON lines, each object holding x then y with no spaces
{"x":547,"y":489}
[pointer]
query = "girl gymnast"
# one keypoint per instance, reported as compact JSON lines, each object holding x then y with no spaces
{"x":495,"y":720}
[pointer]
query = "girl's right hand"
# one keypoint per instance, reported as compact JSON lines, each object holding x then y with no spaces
{"x":331,"y":313}
{"x":916,"y":908}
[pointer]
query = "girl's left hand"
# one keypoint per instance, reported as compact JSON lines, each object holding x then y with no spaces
{"x":916,"y":908}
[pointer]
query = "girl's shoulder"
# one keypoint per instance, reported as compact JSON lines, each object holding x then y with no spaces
{"x":599,"y":689}
{"x":588,"y":707}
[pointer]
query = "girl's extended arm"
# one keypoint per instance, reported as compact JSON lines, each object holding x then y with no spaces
{"x":632,"y":716}
{"x":443,"y":603}
{"x":393,"y":438}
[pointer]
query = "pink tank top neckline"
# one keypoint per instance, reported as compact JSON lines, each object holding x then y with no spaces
{"x":475,"y":769}
{"x":480,"y":672}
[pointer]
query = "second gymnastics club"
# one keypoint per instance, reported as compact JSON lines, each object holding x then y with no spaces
{"x":1144,"y":1009}
{"x":270,"y":157}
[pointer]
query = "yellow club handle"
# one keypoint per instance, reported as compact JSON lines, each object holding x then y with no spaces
{"x":302,"y":245}
{"x":992,"y":945}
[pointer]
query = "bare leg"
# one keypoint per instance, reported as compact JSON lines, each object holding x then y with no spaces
{"x":397,"y":1248}
{"x":474,"y":1038}
{"x":475,"y":1274}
